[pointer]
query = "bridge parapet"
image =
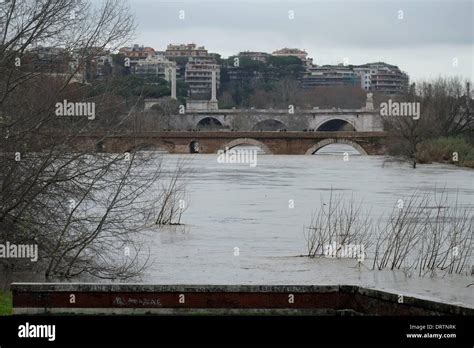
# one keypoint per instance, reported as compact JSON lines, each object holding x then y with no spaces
{"x":269,"y":112}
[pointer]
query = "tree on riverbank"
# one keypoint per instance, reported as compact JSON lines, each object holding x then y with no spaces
{"x":84,"y":210}
{"x":446,"y":111}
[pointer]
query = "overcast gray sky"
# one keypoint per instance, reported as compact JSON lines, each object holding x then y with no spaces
{"x":426,"y":42}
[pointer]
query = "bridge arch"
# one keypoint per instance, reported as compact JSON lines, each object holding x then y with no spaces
{"x":246,"y":141}
{"x":336,"y":124}
{"x":269,"y":124}
{"x":194,"y":147}
{"x":210,"y":123}
{"x":325,"y":142}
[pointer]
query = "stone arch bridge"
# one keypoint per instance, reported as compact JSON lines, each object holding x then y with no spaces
{"x":359,"y":120}
{"x":295,"y":143}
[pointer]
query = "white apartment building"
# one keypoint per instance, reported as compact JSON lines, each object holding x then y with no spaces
{"x":382,"y":77}
{"x":198,"y":75}
{"x":154,"y":65}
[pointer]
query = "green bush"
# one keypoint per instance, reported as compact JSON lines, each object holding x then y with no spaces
{"x":5,"y":303}
{"x":443,"y":150}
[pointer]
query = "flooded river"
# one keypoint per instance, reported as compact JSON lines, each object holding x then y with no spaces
{"x":245,"y":224}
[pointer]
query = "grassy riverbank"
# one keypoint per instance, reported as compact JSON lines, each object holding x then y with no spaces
{"x":453,"y":150}
{"x":5,"y":303}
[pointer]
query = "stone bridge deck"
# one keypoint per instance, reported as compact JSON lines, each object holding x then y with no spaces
{"x":295,"y":143}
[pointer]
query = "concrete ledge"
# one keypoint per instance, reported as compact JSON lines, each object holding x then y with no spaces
{"x":84,"y":298}
{"x":184,"y":311}
{"x":128,"y":287}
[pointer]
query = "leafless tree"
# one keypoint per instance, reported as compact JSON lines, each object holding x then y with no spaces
{"x":400,"y":233}
{"x":340,"y":221}
{"x":446,"y":109}
{"x":450,"y":106}
{"x":84,"y":210}
{"x":172,"y":198}
{"x":426,"y":234}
